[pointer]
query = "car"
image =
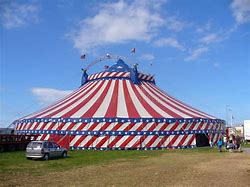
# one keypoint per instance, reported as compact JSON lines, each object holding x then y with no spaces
{"x":44,"y":150}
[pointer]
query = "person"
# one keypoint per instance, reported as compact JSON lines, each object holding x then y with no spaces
{"x":219,"y":144}
{"x":211,"y":143}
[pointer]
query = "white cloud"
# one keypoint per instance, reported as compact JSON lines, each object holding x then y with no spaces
{"x":170,"y":42}
{"x":206,"y":27}
{"x":49,"y":95}
{"x":15,"y":15}
{"x":174,"y":24}
{"x":196,"y":53}
{"x":241,"y":11}
{"x":147,"y":57}
{"x":211,"y":38}
{"x":119,"y":22}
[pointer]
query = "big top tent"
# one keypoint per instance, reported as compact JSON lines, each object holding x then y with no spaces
{"x":121,"y":108}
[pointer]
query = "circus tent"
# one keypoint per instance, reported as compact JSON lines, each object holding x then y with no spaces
{"x":121,"y":108}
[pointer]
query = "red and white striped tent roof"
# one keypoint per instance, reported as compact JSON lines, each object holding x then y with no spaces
{"x":112,"y":95}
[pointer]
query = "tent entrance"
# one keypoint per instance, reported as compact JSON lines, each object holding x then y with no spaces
{"x":202,"y":140}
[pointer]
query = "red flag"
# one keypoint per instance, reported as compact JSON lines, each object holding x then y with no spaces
{"x":83,"y":56}
{"x":132,"y":50}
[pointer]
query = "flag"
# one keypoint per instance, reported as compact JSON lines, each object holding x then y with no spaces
{"x":108,"y":55}
{"x":132,"y":50}
{"x":83,"y":56}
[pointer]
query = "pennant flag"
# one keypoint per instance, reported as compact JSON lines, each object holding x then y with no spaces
{"x":108,"y":55}
{"x":132,"y":50}
{"x":83,"y":56}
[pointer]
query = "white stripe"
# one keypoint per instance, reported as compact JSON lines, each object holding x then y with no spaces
{"x":112,"y":74}
{"x":164,"y":96}
{"x":85,"y":141}
{"x":133,"y":141}
{"x":164,"y":104}
{"x":102,"y":110}
{"x":89,"y":104}
{"x":76,"y":126}
{"x":154,"y":144}
{"x":147,"y":126}
{"x":137,"y":104}
{"x":60,"y":101}
{"x":185,"y":143}
{"x":126,"y":74}
{"x":47,"y":126}
{"x":123,"y":126}
{"x":66,"y":125}
{"x":135,"y":126}
{"x":98,"y":126}
{"x":73,"y":99}
{"x":72,"y":143}
{"x":82,"y":98}
{"x":177,"y":141}
{"x":153,"y":105}
{"x":105,"y":74}
{"x":40,"y":125}
{"x":121,"y":105}
{"x":196,"y":126}
{"x":47,"y":137}
{"x":33,"y":125}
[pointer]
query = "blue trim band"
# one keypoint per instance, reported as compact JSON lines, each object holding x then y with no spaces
{"x":121,"y":120}
{"x":119,"y":78}
{"x":128,"y":148}
{"x":120,"y":133}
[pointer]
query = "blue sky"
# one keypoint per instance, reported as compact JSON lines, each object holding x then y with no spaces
{"x":198,"y":50}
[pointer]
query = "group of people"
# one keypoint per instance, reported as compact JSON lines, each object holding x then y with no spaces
{"x":231,"y":143}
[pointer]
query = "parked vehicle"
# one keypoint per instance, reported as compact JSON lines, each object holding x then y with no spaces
{"x":44,"y":150}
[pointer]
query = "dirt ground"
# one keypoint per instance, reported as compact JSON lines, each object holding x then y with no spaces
{"x":165,"y":170}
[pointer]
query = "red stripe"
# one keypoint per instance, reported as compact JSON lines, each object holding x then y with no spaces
{"x":104,"y":127}
{"x":81,"y":126}
{"x":138,"y":143}
{"x":173,"y":140}
{"x":123,"y":145}
{"x":185,"y":106}
{"x":162,"y":107}
{"x":92,"y":110}
{"x":99,"y":145}
{"x":173,"y":128}
{"x":112,"y":109}
{"x":113,"y":143}
{"x":200,"y":125}
{"x":43,"y":126}
{"x":68,"y":102}
{"x":191,"y":140}
{"x":151,"y":141}
{"x":80,"y":105}
{"x":71,"y":126}
{"x":152,"y":127}
{"x":182,"y":140}
{"x":191,"y":127}
{"x":162,"y":141}
{"x":164,"y":126}
{"x":64,"y":100}
{"x":132,"y":112}
{"x":145,"y":104}
{"x":92,"y":139}
{"x":77,"y":143}
{"x":92,"y":126}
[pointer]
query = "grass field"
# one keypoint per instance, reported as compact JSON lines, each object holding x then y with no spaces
{"x":126,"y":168}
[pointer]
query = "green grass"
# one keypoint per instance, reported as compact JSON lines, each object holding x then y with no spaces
{"x":16,"y":162}
{"x":247,"y":145}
